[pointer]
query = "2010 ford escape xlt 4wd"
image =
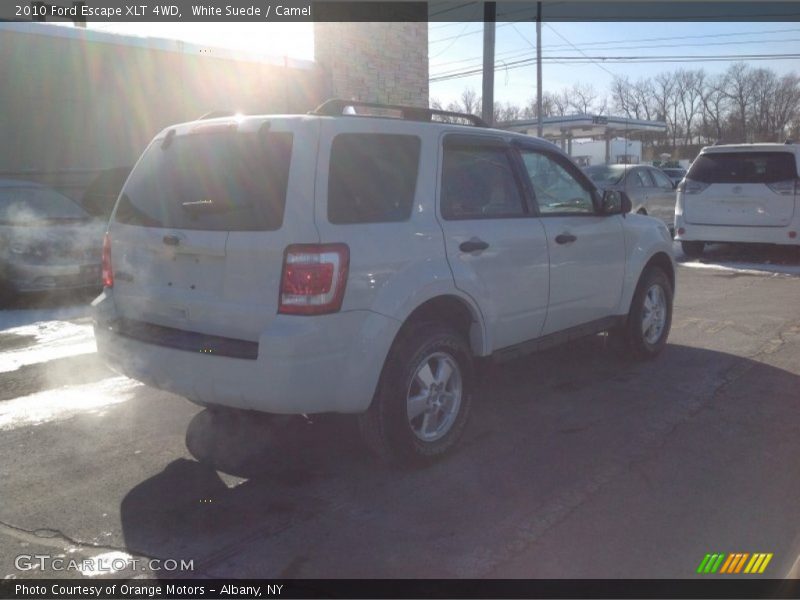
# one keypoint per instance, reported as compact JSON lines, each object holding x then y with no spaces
{"x":363,"y":264}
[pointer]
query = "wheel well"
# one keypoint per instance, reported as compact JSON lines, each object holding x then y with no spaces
{"x":451,"y":310}
{"x":663,"y":262}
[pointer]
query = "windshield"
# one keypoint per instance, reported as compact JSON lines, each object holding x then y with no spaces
{"x":608,"y":174}
{"x":30,"y":204}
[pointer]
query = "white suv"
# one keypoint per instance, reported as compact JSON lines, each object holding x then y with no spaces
{"x":739,"y":193}
{"x":361,"y":264}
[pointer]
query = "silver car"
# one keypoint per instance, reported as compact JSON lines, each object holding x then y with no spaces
{"x":48,"y":241}
{"x":650,"y":190}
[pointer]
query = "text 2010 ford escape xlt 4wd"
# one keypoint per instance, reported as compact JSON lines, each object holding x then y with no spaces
{"x":361,"y":264}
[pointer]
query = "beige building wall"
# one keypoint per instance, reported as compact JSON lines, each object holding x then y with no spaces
{"x":375,"y":62}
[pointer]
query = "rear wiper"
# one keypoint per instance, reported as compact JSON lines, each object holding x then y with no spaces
{"x":208,"y":206}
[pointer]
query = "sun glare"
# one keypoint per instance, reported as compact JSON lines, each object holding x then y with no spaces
{"x":291,"y":40}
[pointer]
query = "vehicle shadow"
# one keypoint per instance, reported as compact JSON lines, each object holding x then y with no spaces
{"x":759,"y":256}
{"x":268,"y":497}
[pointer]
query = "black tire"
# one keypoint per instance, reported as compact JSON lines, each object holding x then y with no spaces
{"x":631,"y":338}
{"x":642,"y":211}
{"x":386,"y":427}
{"x":693,"y":249}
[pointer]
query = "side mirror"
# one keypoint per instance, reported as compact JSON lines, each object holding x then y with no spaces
{"x":615,"y":202}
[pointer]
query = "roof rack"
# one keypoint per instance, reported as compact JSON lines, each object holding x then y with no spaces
{"x":336,"y":108}
{"x":216,"y":114}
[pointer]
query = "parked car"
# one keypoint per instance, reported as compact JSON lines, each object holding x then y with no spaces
{"x":360,"y":264}
{"x":740,"y":193}
{"x":675,"y":174}
{"x":101,"y":195}
{"x":650,"y":190}
{"x":48,"y":241}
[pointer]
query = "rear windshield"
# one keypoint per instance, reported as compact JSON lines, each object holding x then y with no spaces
{"x":605,"y":174}
{"x":23,"y":205}
{"x":222,"y":181}
{"x":743,"y":167}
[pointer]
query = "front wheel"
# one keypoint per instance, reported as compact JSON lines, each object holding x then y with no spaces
{"x":647,"y":326}
{"x":424,"y":396}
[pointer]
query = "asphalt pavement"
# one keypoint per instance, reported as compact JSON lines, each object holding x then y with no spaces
{"x":576,"y":463}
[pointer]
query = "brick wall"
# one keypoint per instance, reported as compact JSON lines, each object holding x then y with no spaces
{"x":375,"y":62}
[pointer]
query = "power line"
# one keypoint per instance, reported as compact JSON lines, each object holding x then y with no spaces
{"x":523,"y":52}
{"x":551,"y":28}
{"x":626,"y":43}
{"x":658,"y":39}
{"x":624,"y":60}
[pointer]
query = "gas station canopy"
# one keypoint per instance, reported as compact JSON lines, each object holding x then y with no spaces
{"x":586,"y":126}
{"x":565,"y":129}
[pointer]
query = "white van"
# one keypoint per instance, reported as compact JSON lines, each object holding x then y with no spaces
{"x":739,"y":193}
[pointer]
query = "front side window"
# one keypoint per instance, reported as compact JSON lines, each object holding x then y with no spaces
{"x":373,"y":177}
{"x":661,"y":180}
{"x":478,"y":182}
{"x":644,"y":178}
{"x":555,"y":188}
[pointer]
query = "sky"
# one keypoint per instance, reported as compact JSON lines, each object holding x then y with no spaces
{"x":455,"y":47}
{"x":458,"y":46}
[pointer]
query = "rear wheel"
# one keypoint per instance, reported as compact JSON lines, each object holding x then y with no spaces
{"x":424,"y":396}
{"x":647,"y":326}
{"x":693,"y":249}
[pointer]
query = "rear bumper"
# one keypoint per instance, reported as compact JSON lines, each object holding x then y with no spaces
{"x":327,"y":363}
{"x":734,"y":233}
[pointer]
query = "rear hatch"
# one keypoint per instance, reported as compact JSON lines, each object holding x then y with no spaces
{"x":741,"y":188}
{"x":199,"y":231}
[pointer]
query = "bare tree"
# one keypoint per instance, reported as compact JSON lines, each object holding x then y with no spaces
{"x":560,"y":102}
{"x":739,"y":90}
{"x":664,"y":87}
{"x":786,"y":104}
{"x":470,"y":102}
{"x":715,"y":105}
{"x":643,"y":95}
{"x":582,"y":98}
{"x":688,"y":96}
{"x":622,"y":96}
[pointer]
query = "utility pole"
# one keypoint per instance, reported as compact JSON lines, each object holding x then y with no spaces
{"x":539,"y":115}
{"x":487,"y":98}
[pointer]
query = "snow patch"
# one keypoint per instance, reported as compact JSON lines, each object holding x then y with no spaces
{"x":53,"y":339}
{"x":746,"y":268}
{"x":65,"y":402}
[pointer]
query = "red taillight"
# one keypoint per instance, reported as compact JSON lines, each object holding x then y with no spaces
{"x":681,"y":231}
{"x":108,"y":274}
{"x":313,"y":279}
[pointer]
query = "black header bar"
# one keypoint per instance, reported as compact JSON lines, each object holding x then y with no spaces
{"x":233,"y":11}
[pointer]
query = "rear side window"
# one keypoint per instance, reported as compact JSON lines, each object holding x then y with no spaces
{"x":373,"y":177}
{"x":222,"y":181}
{"x":743,"y":167}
